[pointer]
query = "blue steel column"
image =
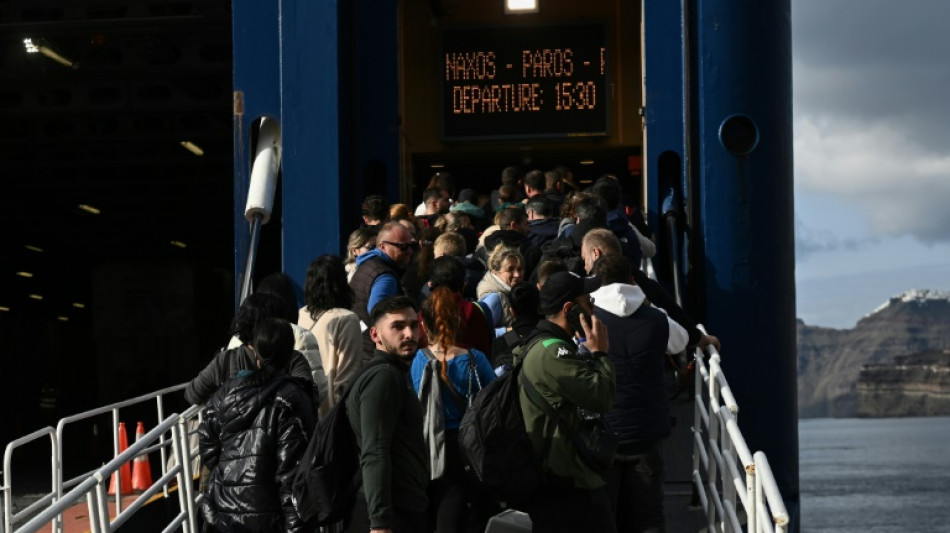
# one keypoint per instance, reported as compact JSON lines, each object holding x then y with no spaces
{"x":256,"y":59}
{"x":665,"y":96}
{"x":743,"y":67}
{"x":286,"y":66}
{"x":309,"y":76}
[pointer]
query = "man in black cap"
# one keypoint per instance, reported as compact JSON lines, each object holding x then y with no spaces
{"x":570,"y":378}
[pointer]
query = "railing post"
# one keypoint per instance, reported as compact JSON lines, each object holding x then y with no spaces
{"x":186,"y":476}
{"x":712,"y":438}
{"x":93,"y":511}
{"x":115,"y":451}
{"x":163,"y":457}
{"x":697,"y":404}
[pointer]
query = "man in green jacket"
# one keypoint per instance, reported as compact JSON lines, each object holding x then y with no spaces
{"x":386,"y":418}
{"x":570,"y":378}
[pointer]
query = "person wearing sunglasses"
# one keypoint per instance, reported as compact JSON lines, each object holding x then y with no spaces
{"x":378,"y":273}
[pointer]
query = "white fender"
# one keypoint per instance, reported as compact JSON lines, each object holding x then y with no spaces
{"x":260,"y":196}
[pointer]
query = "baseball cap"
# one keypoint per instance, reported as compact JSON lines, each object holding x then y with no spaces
{"x":563,"y":287}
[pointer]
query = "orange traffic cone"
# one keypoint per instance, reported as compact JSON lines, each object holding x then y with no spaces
{"x":125,"y":471}
{"x":141,"y":469}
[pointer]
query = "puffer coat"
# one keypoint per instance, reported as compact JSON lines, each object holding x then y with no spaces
{"x":254,"y":432}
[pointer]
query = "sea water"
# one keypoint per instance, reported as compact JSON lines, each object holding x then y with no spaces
{"x":879,"y":475}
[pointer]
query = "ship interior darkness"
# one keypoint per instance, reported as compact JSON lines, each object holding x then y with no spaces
{"x":117,"y":242}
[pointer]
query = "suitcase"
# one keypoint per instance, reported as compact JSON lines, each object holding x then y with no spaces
{"x":509,"y":521}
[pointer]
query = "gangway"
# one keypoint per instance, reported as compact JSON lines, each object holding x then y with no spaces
{"x":734,"y":487}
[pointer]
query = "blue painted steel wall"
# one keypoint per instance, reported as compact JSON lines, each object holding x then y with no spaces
{"x":328,"y":71}
{"x":664,"y":114}
{"x":665,"y":95}
{"x":309,"y":116}
{"x":256,"y":84}
{"x":743,"y":66}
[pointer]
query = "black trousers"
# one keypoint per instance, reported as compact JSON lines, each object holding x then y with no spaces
{"x":571,"y":510}
{"x":457,"y":504}
{"x":635,"y":488}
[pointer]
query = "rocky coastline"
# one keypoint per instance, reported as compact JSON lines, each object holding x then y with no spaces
{"x":913,"y":385}
{"x":871,"y":370}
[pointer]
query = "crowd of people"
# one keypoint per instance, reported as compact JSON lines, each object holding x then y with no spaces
{"x":426,"y":308}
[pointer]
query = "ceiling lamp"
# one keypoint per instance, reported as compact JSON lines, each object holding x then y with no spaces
{"x":517,"y":7}
{"x":89,"y":209}
{"x":193,"y":148}
{"x":32,"y":48}
{"x":32,"y":248}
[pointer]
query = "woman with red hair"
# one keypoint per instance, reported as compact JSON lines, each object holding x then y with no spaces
{"x":446,"y":377}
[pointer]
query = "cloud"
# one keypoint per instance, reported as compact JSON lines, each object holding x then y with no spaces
{"x":809,"y":240}
{"x":872,"y":116}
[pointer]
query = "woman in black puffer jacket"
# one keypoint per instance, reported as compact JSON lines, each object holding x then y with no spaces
{"x":255,"y":430}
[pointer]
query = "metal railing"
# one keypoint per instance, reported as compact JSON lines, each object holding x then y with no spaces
{"x":719,"y":449}
{"x":157,"y":440}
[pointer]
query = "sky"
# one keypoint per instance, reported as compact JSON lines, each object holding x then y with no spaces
{"x":871,"y":84}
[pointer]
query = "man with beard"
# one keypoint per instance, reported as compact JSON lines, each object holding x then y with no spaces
{"x":570,"y":379}
{"x":387,"y":421}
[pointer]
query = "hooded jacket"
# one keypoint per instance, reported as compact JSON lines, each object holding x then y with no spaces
{"x":253,"y":434}
{"x":639,"y":336}
{"x":568,"y":381}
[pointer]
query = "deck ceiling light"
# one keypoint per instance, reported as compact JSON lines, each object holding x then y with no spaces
{"x":89,"y":209}
{"x":32,"y":248}
{"x":34,"y":48}
{"x":587,"y":162}
{"x":24,"y":274}
{"x":36,"y":296}
{"x":4,"y":308}
{"x":193,"y":148}
{"x":63,"y":318}
{"x":179,"y":244}
{"x":518,"y":7}
{"x":78,"y":305}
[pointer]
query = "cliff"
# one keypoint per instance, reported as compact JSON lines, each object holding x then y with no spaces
{"x":830,"y":360}
{"x":915,"y":385}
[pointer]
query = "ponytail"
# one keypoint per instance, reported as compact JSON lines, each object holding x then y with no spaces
{"x":440,"y":313}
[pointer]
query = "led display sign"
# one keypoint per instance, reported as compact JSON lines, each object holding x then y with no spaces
{"x":524,"y":82}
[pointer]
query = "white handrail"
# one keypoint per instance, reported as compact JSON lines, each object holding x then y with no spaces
{"x":100,"y":478}
{"x":7,"y":489}
{"x":718,"y":450}
{"x":57,"y":494}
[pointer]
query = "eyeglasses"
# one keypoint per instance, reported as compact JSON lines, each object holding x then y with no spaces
{"x":403,"y":246}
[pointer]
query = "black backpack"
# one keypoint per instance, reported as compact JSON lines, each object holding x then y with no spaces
{"x":328,"y":475}
{"x":495,"y":446}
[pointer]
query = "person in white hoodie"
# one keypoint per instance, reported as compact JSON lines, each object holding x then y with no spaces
{"x":640,"y":335}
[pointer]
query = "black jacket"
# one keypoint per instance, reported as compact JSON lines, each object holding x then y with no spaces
{"x":638,"y":351}
{"x":253,"y":434}
{"x":228,"y":363}
{"x":387,"y":421}
{"x":542,"y":231}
